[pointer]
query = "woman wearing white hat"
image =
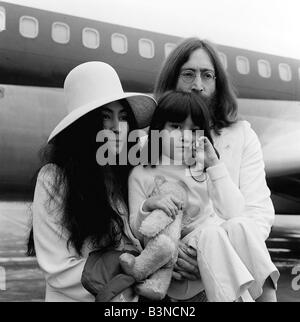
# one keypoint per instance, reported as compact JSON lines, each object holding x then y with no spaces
{"x":78,"y":205}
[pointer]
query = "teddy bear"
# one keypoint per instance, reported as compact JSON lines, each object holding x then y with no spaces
{"x":153,"y":267}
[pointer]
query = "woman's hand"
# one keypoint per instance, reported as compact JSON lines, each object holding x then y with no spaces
{"x":168,"y":203}
{"x":186,"y":266}
{"x":206,"y":153}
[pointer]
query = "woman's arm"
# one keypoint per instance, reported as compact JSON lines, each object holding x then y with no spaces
{"x":61,"y":265}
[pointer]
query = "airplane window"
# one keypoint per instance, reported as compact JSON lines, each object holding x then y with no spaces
{"x":29,"y":27}
{"x":242,"y":64}
{"x":285,"y":72}
{"x":146,"y":48}
{"x":264,"y":68}
{"x":60,"y":32}
{"x":119,"y":43}
{"x":2,"y":19}
{"x":223,"y":58}
{"x":90,"y":38}
{"x":169,"y":48}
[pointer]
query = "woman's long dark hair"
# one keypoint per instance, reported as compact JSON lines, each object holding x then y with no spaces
{"x":86,"y":205}
{"x":176,"y":106}
{"x":224,"y":111}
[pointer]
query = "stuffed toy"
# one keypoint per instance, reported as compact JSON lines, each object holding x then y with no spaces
{"x":153,"y":267}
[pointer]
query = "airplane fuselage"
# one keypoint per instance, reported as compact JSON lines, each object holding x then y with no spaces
{"x":38,"y":48}
{"x":45,"y":60}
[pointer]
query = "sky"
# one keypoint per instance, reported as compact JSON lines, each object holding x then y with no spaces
{"x":271,"y":26}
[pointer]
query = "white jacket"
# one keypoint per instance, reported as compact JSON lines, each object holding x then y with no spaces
{"x":241,"y":152}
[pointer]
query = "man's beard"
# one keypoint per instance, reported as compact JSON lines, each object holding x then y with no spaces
{"x":211,"y":102}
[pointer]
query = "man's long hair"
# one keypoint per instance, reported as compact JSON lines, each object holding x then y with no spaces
{"x":88,"y":213}
{"x":224,"y":111}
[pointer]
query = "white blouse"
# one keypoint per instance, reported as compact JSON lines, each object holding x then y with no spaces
{"x":61,"y":265}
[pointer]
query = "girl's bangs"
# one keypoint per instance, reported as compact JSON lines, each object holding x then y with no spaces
{"x":177,"y":106}
{"x":177,"y":112}
{"x":188,"y":106}
{"x":198,"y":116}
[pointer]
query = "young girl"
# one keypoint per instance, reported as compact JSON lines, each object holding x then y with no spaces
{"x":232,"y":257}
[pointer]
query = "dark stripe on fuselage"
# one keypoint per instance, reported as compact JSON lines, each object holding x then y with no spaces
{"x":42,"y":62}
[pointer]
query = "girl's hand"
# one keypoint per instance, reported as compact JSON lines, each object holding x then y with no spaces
{"x":186,"y":266}
{"x":169,"y":204}
{"x":204,"y":149}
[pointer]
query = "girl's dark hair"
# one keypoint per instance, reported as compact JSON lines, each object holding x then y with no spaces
{"x":86,"y":206}
{"x":224,"y":112}
{"x":176,"y":106}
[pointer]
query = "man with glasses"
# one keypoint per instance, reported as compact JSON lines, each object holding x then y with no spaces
{"x":189,"y":76}
{"x":194,"y":65}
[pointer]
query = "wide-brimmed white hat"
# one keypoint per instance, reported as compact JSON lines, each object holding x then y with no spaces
{"x":94,"y":84}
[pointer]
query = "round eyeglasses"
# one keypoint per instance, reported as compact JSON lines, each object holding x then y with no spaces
{"x":189,"y":76}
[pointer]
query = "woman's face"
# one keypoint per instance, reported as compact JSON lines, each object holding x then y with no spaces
{"x":202,"y":67}
{"x":115,"y":119}
{"x":177,"y":139}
